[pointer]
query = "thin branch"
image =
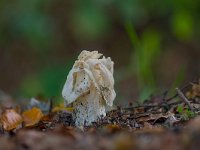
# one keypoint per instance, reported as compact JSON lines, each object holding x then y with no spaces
{"x":51,"y":105}
{"x":183,"y":88}
{"x":182,"y":96}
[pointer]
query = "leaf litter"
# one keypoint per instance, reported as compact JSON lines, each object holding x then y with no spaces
{"x":167,"y":123}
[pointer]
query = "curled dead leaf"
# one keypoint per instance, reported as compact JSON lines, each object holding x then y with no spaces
{"x":10,"y":119}
{"x":32,"y":116}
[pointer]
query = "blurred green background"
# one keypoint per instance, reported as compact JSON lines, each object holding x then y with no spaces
{"x":155,"y":44}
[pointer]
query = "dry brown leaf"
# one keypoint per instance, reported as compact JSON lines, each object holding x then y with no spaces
{"x":32,"y":116}
{"x":195,"y":91}
{"x":112,"y":128}
{"x":10,"y":119}
{"x":154,"y":117}
{"x":47,"y":117}
{"x":139,"y":110}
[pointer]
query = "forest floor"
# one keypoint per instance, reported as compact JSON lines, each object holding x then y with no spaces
{"x":162,"y":123}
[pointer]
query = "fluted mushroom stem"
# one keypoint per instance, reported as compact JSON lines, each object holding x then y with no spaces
{"x":88,"y":109}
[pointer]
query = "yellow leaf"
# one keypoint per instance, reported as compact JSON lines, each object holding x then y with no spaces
{"x":32,"y":116}
{"x":10,"y":119}
{"x":61,"y":107}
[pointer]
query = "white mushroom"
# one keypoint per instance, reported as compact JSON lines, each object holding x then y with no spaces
{"x":90,"y":87}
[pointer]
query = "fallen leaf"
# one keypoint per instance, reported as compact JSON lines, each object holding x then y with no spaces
{"x":47,"y":117}
{"x":154,"y":118}
{"x":194,"y":92}
{"x":10,"y":119}
{"x":139,"y":110}
{"x":171,"y":120}
{"x":112,"y":128}
{"x":32,"y":116}
{"x":61,"y":107}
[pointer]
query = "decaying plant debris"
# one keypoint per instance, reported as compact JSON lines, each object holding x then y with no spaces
{"x":164,"y":123}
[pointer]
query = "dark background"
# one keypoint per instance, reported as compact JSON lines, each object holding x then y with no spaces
{"x":154,"y":44}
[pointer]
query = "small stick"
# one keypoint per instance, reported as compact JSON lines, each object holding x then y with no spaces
{"x":152,"y":106}
{"x":182,"y":96}
{"x":51,"y":105}
{"x":183,"y":88}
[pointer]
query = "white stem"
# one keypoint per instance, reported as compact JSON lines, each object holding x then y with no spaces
{"x":88,"y":108}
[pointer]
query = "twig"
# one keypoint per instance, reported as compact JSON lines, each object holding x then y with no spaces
{"x":152,"y":106}
{"x":51,"y":105}
{"x":171,"y":98}
{"x":183,"y":88}
{"x":182,"y":96}
{"x":167,"y":101}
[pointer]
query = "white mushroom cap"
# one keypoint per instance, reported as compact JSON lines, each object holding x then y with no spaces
{"x":85,"y":55}
{"x":87,"y":70}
